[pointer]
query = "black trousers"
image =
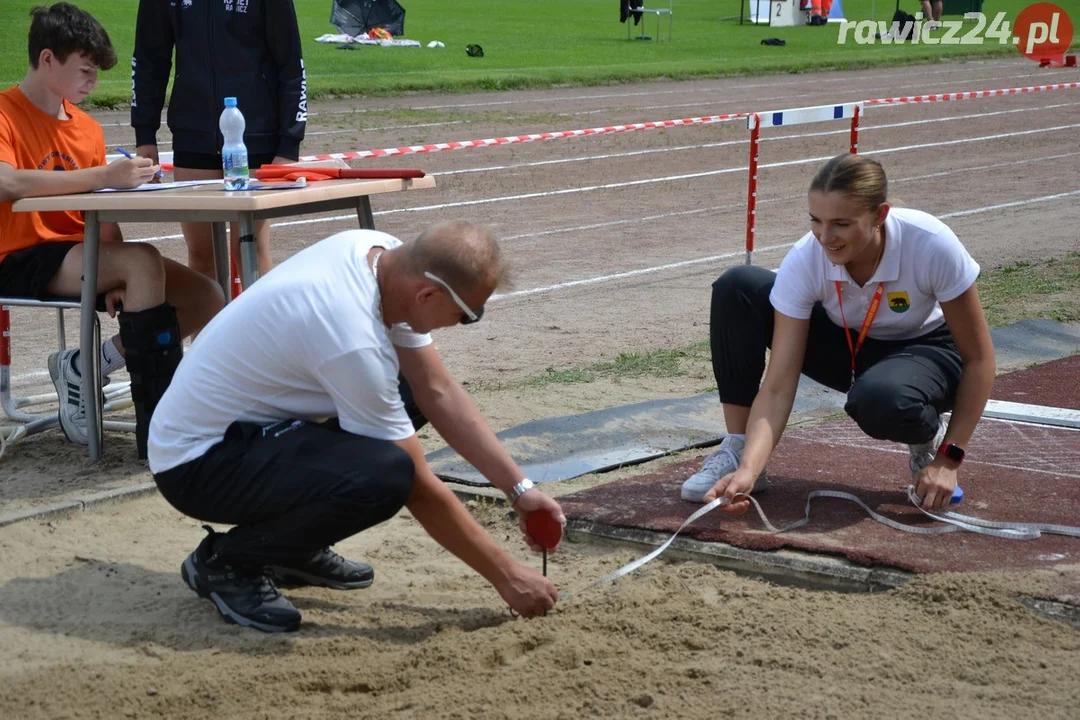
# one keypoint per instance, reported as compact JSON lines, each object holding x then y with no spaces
{"x":292,"y":487}
{"x":901,"y":387}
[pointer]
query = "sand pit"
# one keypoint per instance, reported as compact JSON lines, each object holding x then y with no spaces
{"x":96,"y":622}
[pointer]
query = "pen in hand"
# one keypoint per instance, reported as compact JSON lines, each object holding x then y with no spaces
{"x":129,"y":156}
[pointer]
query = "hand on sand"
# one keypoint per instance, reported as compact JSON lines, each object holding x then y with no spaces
{"x":527,"y":592}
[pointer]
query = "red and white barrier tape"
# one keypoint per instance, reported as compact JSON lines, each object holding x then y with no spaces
{"x":517,"y":139}
{"x":972,"y":95}
{"x":632,"y":127}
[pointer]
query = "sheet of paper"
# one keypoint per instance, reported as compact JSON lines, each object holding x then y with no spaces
{"x":147,"y":187}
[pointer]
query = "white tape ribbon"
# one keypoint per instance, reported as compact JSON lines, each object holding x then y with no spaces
{"x":954,"y":521}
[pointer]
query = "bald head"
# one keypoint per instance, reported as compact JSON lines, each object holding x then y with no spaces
{"x":463,"y":254}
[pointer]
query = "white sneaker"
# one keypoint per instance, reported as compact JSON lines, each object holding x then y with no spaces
{"x":722,"y":462}
{"x":68,"y":382}
{"x":923,"y":454}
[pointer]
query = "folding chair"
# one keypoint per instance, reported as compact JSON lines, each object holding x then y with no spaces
{"x":112,"y":397}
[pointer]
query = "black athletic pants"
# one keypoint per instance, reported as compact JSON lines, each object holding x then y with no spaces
{"x":901,"y":387}
{"x":292,"y":487}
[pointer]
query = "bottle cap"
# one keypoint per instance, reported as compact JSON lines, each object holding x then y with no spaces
{"x":230,"y":102}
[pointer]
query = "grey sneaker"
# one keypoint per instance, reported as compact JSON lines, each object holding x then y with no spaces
{"x":68,"y":382}
{"x":923,"y":454}
{"x":722,"y":462}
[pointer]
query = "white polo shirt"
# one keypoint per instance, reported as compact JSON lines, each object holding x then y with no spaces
{"x":306,"y":341}
{"x":924,"y":264}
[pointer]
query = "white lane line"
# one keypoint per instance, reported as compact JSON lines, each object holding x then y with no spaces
{"x":313,"y":133}
{"x":742,"y":253}
{"x":1002,"y":206}
{"x":703,"y":146}
{"x":766,"y":201}
{"x":875,"y":81}
{"x":696,"y":103}
{"x":722,"y":256}
{"x":645,"y":181}
{"x":729,"y":143}
{"x":634,"y":273}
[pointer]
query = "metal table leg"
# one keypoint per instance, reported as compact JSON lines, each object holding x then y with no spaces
{"x":88,"y":336}
{"x":363,"y":213}
{"x":249,"y":251}
{"x":221,"y":258}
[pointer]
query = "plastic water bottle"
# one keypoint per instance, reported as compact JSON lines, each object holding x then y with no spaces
{"x":234,"y":154}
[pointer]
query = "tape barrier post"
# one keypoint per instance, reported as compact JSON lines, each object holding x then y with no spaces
{"x":754,"y":123}
{"x":234,"y":271}
{"x":855,"y":130}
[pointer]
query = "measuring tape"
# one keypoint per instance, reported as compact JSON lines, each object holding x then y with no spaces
{"x":954,"y":522}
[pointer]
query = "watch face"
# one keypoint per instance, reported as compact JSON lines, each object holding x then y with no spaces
{"x":954,"y":452}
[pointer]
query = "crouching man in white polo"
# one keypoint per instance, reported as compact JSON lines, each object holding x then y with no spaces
{"x":290,"y":419}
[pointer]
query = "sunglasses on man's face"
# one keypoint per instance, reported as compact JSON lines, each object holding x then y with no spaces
{"x":470,"y":316}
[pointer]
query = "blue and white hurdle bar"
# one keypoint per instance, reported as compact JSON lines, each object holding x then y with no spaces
{"x":783,"y":118}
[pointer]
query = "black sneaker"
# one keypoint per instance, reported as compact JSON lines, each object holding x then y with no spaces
{"x":243,"y":597}
{"x":324,"y":569}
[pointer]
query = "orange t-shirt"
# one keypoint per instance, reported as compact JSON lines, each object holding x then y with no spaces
{"x":32,"y":140}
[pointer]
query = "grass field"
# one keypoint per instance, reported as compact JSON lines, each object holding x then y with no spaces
{"x":536,"y":44}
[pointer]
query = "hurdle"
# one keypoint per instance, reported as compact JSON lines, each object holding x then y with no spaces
{"x":782,"y":118}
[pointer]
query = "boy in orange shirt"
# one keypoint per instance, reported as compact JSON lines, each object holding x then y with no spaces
{"x":42,"y":132}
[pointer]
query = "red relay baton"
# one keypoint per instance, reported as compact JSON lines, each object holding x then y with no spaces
{"x":292,"y":172}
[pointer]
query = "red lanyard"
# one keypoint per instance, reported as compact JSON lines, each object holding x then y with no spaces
{"x":871,"y":313}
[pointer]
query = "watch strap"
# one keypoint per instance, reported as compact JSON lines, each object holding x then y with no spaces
{"x":520,"y":489}
{"x":952,"y":451}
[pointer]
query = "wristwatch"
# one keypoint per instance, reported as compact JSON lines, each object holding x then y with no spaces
{"x":520,"y":489}
{"x":952,"y":451}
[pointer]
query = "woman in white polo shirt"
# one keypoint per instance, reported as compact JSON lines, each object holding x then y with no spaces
{"x":876,"y":302}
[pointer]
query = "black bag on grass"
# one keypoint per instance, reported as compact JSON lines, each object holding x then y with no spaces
{"x":356,"y":17}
